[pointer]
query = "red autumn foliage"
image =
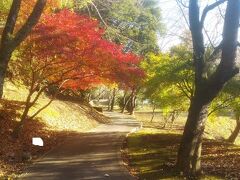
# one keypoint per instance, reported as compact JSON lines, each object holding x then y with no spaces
{"x":70,"y":48}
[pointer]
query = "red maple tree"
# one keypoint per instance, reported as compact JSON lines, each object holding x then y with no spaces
{"x":68,"y":50}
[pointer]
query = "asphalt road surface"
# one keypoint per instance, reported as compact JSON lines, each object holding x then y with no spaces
{"x":92,"y":155}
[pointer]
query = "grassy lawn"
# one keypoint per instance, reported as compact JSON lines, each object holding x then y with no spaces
{"x":219,"y":127}
{"x":151,"y":154}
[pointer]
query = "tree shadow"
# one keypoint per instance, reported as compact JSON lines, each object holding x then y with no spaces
{"x":154,"y":156}
{"x":13,"y":151}
{"x":84,"y":156}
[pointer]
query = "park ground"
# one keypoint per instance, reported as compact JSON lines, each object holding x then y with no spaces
{"x":150,"y":153}
{"x":61,"y":120}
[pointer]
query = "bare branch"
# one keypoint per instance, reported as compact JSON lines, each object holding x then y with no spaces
{"x":179,"y":3}
{"x":183,"y":90}
{"x":215,"y":51}
{"x":209,"y":39}
{"x":99,"y":14}
{"x":41,"y":109}
{"x":209,"y":8}
{"x":198,"y":41}
{"x":221,"y":106}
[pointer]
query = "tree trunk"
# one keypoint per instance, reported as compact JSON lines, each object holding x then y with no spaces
{"x":109,"y":102}
{"x":89,"y":97}
{"x":132,"y":104}
{"x":188,"y":160}
{"x":206,"y":87}
{"x":236,"y":131}
{"x":125,"y":104}
{"x":173,"y":117}
{"x":5,"y":56}
{"x":8,"y":45}
{"x":18,"y":129}
{"x":113,"y":99}
{"x":153,"y":112}
{"x":165,"y":118}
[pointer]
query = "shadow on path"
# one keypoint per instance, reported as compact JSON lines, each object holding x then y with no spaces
{"x":91,"y":155}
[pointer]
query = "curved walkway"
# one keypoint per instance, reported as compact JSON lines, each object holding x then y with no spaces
{"x":92,"y":155}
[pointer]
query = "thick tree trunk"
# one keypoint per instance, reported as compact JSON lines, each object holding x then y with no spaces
{"x":10,"y":42}
{"x":5,"y":56}
{"x":232,"y":138}
{"x":206,"y":87}
{"x":189,"y":152}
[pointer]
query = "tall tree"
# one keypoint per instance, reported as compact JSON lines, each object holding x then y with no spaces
{"x":134,"y":23}
{"x":11,"y":40}
{"x":207,"y":87}
{"x":169,"y":82}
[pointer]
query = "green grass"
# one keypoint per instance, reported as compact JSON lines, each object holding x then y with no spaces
{"x":152,"y":151}
{"x":217,"y":127}
{"x":152,"y":154}
{"x":58,"y":116}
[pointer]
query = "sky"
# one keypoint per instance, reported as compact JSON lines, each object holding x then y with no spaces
{"x":176,"y":25}
{"x":173,"y":20}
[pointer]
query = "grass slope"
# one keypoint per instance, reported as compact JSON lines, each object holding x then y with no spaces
{"x":57,"y":121}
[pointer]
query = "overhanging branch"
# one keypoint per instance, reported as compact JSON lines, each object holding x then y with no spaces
{"x":209,"y":8}
{"x":30,"y":23}
{"x":11,"y":22}
{"x":215,"y":51}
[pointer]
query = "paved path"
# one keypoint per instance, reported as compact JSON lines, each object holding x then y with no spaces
{"x":92,"y":155}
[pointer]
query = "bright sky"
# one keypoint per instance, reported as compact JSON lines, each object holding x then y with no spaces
{"x":176,"y":24}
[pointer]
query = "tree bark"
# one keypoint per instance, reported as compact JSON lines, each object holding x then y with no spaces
{"x":28,"y":105}
{"x":125,"y":104}
{"x":173,"y":117}
{"x":191,"y":144}
{"x":9,"y":42}
{"x":132,"y":104}
{"x":5,"y":55}
{"x":232,"y":138}
{"x":109,"y":103}
{"x":113,"y":99}
{"x":206,"y":88}
{"x":18,"y":129}
{"x":153,"y":112}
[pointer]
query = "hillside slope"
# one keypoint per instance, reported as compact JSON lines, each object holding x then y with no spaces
{"x":57,"y":121}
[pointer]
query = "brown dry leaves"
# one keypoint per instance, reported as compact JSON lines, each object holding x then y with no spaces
{"x":12,"y":147}
{"x":221,"y":159}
